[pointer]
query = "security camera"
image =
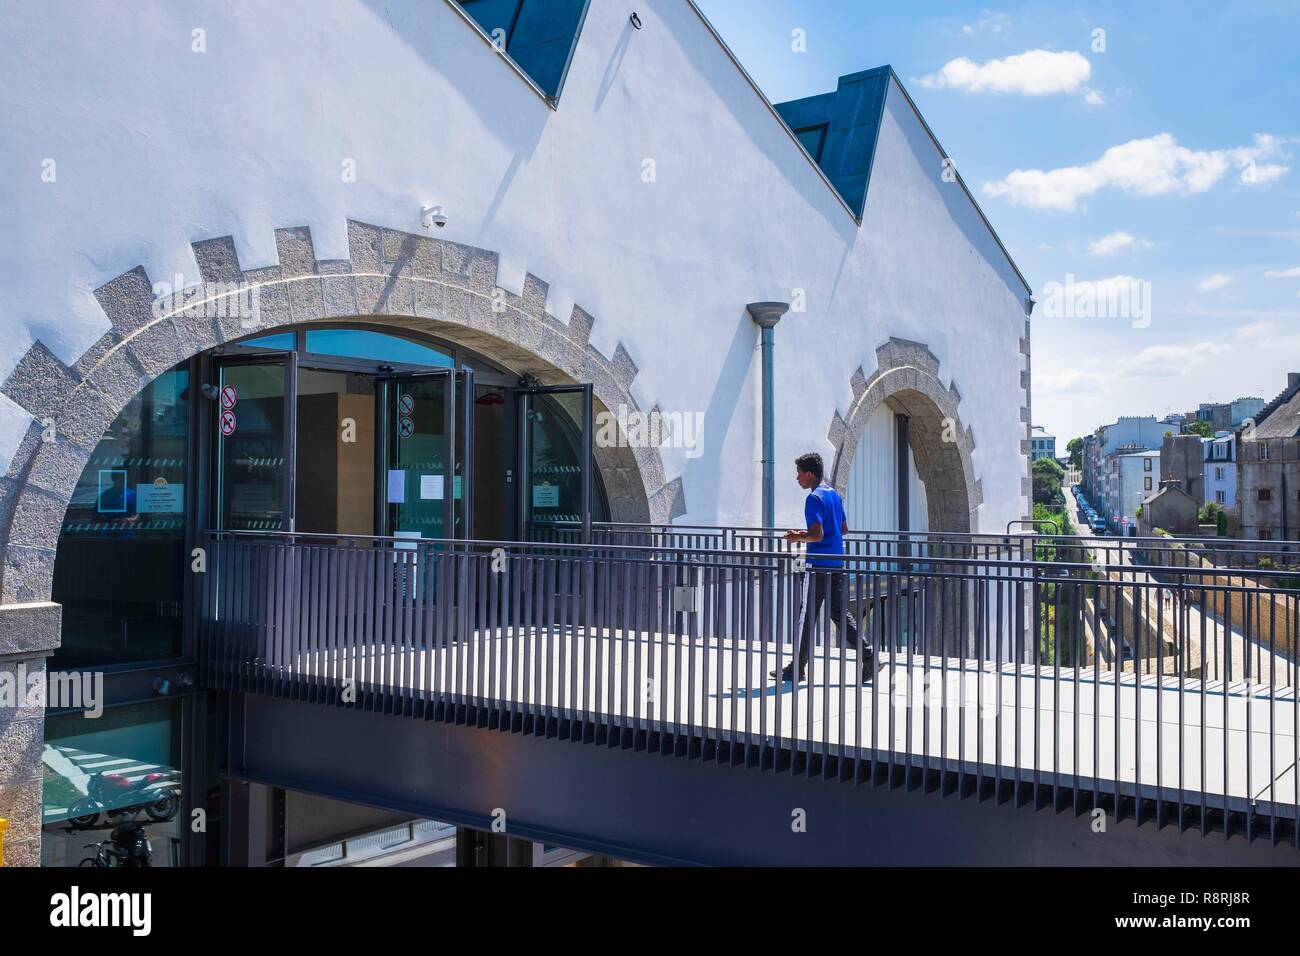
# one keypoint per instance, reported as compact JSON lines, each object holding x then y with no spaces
{"x":210,"y":392}
{"x":433,"y":216}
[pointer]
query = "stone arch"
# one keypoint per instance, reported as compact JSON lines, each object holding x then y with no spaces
{"x":391,"y":278}
{"x":907,"y":380}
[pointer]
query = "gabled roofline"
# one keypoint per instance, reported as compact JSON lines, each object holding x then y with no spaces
{"x":971,"y":196}
{"x":910,"y":102}
{"x":772,"y":109}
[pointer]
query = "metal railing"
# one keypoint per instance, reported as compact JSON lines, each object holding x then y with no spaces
{"x":1129,"y":674}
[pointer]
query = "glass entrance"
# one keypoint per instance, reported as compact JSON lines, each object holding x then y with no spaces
{"x":424,"y":423}
{"x":556,"y":484}
{"x":254,"y":480}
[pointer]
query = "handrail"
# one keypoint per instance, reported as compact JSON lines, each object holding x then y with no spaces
{"x":852,"y":560}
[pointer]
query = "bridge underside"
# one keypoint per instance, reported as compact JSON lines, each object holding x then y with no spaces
{"x":659,"y":798}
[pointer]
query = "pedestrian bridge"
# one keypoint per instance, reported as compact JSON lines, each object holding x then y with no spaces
{"x":539,"y":682}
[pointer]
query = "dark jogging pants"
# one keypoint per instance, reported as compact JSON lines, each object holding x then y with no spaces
{"x":817,"y":585}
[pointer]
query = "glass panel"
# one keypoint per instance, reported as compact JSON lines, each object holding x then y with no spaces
{"x":251,"y":448}
{"x":418,"y":472}
{"x":111,"y":780}
{"x":538,"y":34}
{"x":284,"y":341}
{"x":496,"y":17}
{"x":359,"y":343}
{"x":552,"y":480}
{"x":120,"y":565}
{"x":812,"y":138}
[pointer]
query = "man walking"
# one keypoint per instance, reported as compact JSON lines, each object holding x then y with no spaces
{"x":824,"y":515}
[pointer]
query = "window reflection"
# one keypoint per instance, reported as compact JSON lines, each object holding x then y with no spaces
{"x":111,"y":784}
{"x":119,"y":567}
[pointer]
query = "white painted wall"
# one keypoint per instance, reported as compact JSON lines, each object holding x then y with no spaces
{"x":157,"y":146}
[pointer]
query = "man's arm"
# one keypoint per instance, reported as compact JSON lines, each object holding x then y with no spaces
{"x":814,"y":534}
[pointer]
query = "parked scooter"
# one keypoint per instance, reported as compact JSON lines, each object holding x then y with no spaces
{"x":117,"y":795}
{"x":128,"y":845}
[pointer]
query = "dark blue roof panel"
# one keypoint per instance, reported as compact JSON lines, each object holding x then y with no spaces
{"x":539,"y":35}
{"x":851,"y":116}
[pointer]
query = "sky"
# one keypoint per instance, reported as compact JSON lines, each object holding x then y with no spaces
{"x":1140,"y":155}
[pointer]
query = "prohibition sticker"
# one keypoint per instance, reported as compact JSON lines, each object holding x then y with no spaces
{"x":406,"y":404}
{"x":229,"y":397}
{"x":405,"y":427}
{"x":227,"y":422}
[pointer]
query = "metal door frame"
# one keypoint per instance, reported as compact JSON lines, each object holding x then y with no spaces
{"x":585,"y":426}
{"x":457,"y":378}
{"x":289,"y":491}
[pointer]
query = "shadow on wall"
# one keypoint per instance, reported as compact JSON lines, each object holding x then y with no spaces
{"x":765,"y":132}
{"x":961,"y":208}
{"x":516,"y":117}
{"x":702,"y":475}
{"x":615,"y":62}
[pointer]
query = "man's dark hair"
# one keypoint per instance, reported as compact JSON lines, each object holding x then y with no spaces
{"x":810,"y":462}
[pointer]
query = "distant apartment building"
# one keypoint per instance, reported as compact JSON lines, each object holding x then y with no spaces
{"x":1220,"y":469}
{"x":1042,"y":445}
{"x":1136,"y":477}
{"x":1182,"y":463}
{"x":1222,"y":416}
{"x":1268,"y":462}
{"x":1118,"y":487}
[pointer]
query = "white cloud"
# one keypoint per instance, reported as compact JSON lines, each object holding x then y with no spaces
{"x":1255,"y":175}
{"x":1211,"y":282}
{"x":1121,"y":375}
{"x":1255,"y":330}
{"x":1092,"y":97}
{"x":989,"y":22}
{"x":1167,"y":361}
{"x":1109,"y":245}
{"x":1034,"y":73}
{"x":1292,"y":273}
{"x":1145,"y":167}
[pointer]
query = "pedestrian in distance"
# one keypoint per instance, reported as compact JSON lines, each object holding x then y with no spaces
{"x":824,"y":578}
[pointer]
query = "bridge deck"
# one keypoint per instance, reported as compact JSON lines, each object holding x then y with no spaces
{"x":940,"y":712}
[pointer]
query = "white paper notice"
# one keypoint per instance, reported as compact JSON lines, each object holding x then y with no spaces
{"x":396,"y":487}
{"x":431,"y":487}
{"x":160,"y":497}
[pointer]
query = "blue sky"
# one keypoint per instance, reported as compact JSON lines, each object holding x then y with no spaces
{"x":1171,"y":157}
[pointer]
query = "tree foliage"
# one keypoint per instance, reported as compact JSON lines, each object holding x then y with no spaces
{"x":1074,"y":448}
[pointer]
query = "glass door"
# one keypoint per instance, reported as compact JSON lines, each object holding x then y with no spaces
{"x":555,"y":490}
{"x":424,"y":490}
{"x":254,"y":443}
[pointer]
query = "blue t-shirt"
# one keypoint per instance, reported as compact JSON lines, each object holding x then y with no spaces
{"x":826,"y":508}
